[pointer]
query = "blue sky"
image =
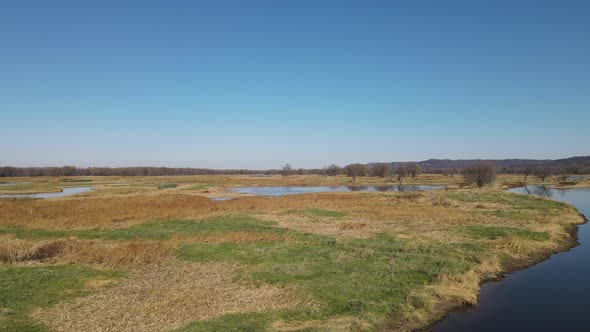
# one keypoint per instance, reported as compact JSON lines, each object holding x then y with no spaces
{"x":257,"y":84}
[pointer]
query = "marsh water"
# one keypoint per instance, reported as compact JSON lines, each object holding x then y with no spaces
{"x":553,"y":295}
{"x":293,"y":190}
{"x":65,"y":192}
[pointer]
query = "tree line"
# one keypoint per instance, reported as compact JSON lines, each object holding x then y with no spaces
{"x":382,"y":170}
{"x":391,"y":171}
{"x":7,"y":171}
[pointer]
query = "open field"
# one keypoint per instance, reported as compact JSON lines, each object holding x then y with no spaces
{"x":215,"y":185}
{"x":156,"y":253}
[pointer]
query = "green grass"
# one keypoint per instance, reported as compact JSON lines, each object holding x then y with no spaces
{"x":167,"y":185}
{"x":367,"y":278}
{"x":324,"y":213}
{"x":25,"y":288}
{"x":513,"y":200}
{"x":76,"y":180}
{"x":523,"y":215}
{"x":200,"y":186}
{"x":246,"y":322}
{"x":314,"y":212}
{"x":493,"y":232}
{"x":159,"y":230}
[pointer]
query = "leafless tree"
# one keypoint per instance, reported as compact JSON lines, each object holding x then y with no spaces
{"x":381,"y":170}
{"x":413,"y":169}
{"x":356,"y":170}
{"x":542,"y":172}
{"x":480,"y":174}
{"x":287,"y":170}
{"x":332,"y":170}
{"x":528,"y":171}
{"x":401,"y":171}
{"x":68,"y":171}
{"x":8,"y":171}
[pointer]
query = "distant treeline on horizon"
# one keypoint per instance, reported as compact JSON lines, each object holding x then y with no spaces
{"x":574,"y":165}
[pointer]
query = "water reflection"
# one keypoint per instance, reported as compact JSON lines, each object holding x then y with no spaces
{"x":292,"y":190}
{"x":221,"y":199}
{"x":551,"y":296}
{"x":65,"y":192}
{"x":540,"y":190}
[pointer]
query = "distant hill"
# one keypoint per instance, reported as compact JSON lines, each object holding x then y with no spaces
{"x":573,"y":165}
{"x":503,"y":164}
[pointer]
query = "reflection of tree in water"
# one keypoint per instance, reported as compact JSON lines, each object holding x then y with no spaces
{"x":385,"y":188}
{"x":400,"y":188}
{"x":358,"y":188}
{"x":409,"y":188}
{"x":541,"y":190}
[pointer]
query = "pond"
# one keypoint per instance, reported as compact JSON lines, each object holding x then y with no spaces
{"x":575,"y":178}
{"x":293,"y":190}
{"x":553,"y":295}
{"x":221,"y":199}
{"x":66,"y":192}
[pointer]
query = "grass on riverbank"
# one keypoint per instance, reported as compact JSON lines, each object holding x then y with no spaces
{"x":216,"y":185}
{"x":327,"y":262}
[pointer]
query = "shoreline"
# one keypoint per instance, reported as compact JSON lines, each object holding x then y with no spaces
{"x":31,"y":192}
{"x":448,"y":307}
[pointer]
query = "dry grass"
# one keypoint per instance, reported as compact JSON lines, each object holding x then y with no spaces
{"x":100,"y":253}
{"x":165,"y":294}
{"x":166,"y":298}
{"x":113,"y":254}
{"x":116,"y":212}
{"x":232,"y":237}
{"x":432,"y":301}
{"x":14,"y":250}
{"x":346,"y":323}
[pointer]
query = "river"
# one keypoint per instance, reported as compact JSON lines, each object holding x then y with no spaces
{"x":65,"y":192}
{"x":553,"y":295}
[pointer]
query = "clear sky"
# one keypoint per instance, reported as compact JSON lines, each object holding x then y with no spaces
{"x":257,"y":84}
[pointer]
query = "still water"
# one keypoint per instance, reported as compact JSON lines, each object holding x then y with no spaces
{"x":553,"y":295}
{"x":292,"y":190}
{"x":65,"y":192}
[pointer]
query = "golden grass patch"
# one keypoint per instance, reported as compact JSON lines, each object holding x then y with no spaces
{"x":129,"y":254}
{"x":346,"y":323}
{"x":165,"y":298}
{"x":163,"y":293}
{"x":114,"y":254}
{"x":14,"y":250}
{"x":232,"y":237}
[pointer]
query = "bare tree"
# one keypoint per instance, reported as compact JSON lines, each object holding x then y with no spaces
{"x":542,"y":172}
{"x":8,"y":171}
{"x":332,"y":170}
{"x":413,"y":169}
{"x":381,"y":170}
{"x":68,"y":171}
{"x":573,"y":169}
{"x":528,"y":171}
{"x":355,"y":170}
{"x":401,"y":171}
{"x":480,"y":174}
{"x":287,"y":170}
